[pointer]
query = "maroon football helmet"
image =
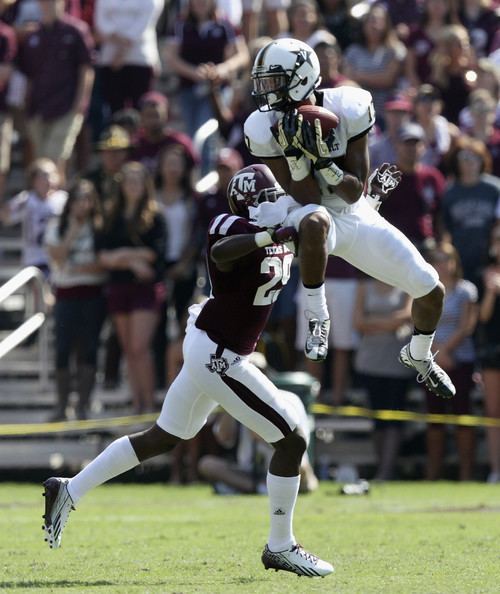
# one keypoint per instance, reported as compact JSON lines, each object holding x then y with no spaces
{"x":250,"y":186}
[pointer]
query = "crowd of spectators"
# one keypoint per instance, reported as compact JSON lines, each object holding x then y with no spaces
{"x":102,"y":101}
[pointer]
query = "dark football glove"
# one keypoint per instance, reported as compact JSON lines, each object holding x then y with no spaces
{"x":313,"y":145}
{"x":284,"y":234}
{"x":288,"y":134}
{"x":381,"y":183}
{"x":288,"y":131}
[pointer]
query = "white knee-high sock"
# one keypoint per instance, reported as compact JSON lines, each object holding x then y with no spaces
{"x":420,"y":345}
{"x":282,"y":492}
{"x":116,"y":459}
{"x":316,"y":302}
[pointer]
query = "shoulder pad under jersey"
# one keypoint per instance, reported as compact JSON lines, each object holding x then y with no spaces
{"x":258,"y":136}
{"x":353,"y":106}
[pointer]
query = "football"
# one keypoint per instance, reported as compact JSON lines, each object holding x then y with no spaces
{"x":327,"y":118}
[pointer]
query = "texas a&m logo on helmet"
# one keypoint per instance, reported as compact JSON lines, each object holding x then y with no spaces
{"x":251,"y":186}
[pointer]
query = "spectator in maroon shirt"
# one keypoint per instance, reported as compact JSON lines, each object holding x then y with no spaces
{"x":397,"y":111}
{"x":452,"y":70}
{"x":205,"y":50}
{"x":154,"y":136}
{"x":56,"y":59}
{"x":423,"y":37}
{"x":8,"y":48}
{"x":414,"y":204}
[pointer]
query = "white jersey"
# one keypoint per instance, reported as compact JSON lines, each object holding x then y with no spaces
{"x":353,"y":107}
{"x":34,"y":213}
{"x":357,"y":232}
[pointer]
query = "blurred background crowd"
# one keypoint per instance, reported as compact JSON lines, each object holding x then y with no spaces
{"x":121,"y":124}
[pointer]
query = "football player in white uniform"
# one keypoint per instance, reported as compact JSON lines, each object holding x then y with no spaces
{"x":327,"y":178}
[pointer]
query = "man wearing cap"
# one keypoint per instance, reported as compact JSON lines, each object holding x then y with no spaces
{"x":154,"y":135}
{"x":113,"y":151}
{"x":414,"y":203}
{"x":397,"y":111}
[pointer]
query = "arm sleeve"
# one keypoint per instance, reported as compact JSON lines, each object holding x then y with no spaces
{"x":17,"y":208}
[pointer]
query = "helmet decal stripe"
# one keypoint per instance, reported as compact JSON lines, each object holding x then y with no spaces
{"x":260,"y":58}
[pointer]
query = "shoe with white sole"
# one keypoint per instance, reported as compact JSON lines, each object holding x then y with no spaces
{"x":316,"y":347}
{"x":58,"y":504}
{"x":429,"y":372}
{"x":296,"y":560}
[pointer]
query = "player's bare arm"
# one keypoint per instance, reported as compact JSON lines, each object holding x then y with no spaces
{"x":305,"y":191}
{"x":228,"y":250}
{"x":355,"y":166}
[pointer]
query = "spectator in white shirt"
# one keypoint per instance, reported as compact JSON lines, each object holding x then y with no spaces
{"x":33,"y":208}
{"x":128,"y":57}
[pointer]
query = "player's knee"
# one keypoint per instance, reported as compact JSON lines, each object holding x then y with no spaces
{"x":435,"y":298}
{"x":152,"y":442}
{"x":314,"y":227}
{"x":294,"y":444}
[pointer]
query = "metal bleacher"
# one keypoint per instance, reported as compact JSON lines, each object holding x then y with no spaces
{"x":26,"y":383}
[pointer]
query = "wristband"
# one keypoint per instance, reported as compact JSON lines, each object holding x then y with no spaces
{"x":263,"y":238}
{"x":332,"y":174}
{"x":373,"y":201}
{"x":299,"y":167}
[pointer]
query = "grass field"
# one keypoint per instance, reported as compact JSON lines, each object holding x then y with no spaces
{"x":403,"y":538}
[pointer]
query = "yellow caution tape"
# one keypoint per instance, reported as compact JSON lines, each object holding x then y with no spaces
{"x":404,"y":415}
{"x":67,"y":426}
{"x":16,"y":429}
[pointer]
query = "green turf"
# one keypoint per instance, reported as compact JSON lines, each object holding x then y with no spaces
{"x":403,"y":538}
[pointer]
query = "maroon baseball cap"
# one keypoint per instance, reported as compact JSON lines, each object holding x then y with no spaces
{"x":398,"y":103}
{"x":153,"y":98}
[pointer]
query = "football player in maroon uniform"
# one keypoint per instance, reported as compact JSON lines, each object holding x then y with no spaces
{"x":248,"y":266}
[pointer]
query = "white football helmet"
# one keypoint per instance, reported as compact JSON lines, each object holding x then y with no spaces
{"x":285,"y":71}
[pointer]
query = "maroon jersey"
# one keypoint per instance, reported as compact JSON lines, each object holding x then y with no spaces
{"x":242,"y":299}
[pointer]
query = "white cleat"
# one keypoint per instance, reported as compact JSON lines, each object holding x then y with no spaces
{"x":58,"y":504}
{"x":316,"y":347}
{"x":429,"y":372}
{"x":296,"y":560}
